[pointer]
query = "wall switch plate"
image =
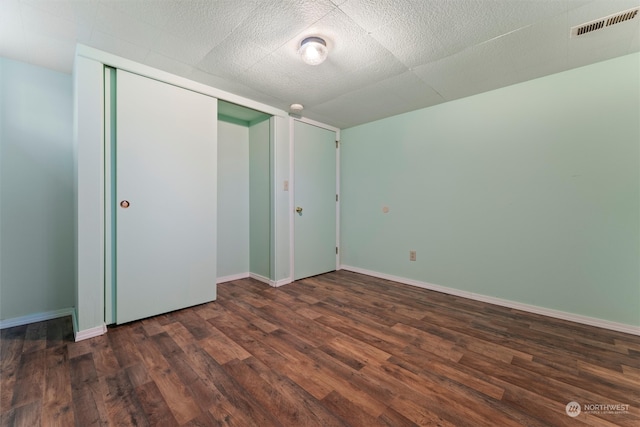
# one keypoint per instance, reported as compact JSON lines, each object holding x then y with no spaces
{"x":412,"y":255}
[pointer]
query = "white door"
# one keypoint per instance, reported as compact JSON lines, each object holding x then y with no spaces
{"x":166,"y":172}
{"x":315,"y":200}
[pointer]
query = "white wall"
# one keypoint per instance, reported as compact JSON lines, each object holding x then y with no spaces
{"x":233,"y":199}
{"x":36,"y":190}
{"x":280,"y":145}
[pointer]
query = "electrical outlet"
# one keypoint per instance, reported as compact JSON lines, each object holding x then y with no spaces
{"x":412,"y":255}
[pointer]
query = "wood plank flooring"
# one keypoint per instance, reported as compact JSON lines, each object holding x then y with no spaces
{"x":341,"y":349}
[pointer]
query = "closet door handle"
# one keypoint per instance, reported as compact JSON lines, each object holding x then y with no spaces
{"x":124,"y":204}
{"x":299,"y":209}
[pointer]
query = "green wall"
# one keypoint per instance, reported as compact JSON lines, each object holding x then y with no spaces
{"x":244,"y":198}
{"x":36,"y":190}
{"x":259,"y":199}
{"x":528,"y":193}
{"x":233,"y":199}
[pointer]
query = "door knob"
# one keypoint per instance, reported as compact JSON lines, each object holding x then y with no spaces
{"x":299,"y":209}
{"x":124,"y":204}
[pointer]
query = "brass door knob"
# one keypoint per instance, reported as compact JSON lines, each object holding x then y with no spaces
{"x":299,"y":209}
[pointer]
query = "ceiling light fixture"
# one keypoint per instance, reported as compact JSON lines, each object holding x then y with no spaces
{"x":313,"y":50}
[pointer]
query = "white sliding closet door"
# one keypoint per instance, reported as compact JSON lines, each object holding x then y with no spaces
{"x":166,"y":170}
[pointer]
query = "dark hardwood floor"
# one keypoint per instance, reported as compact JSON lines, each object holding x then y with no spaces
{"x":340,"y":349}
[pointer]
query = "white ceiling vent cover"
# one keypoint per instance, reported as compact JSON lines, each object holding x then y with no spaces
{"x":607,"y":21}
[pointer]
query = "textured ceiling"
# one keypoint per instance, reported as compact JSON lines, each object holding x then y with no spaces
{"x":386,"y":56}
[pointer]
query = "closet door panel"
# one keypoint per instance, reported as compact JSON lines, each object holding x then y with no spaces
{"x":166,"y":172}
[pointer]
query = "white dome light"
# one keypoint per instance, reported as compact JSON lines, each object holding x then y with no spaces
{"x":313,"y":50}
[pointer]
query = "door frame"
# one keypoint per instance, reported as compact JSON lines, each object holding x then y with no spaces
{"x":292,"y":187}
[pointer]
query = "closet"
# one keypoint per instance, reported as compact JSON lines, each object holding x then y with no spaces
{"x":174,"y":191}
{"x":161,"y":196}
{"x":188,"y":196}
{"x":244,"y":193}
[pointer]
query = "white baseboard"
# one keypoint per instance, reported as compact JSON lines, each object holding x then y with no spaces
{"x":90,"y":333}
{"x":260,"y":278}
{"x":232,"y":278}
{"x":36,"y":317}
{"x":578,"y":318}
{"x":274,"y":283}
{"x":282,"y":282}
{"x":270,"y":282}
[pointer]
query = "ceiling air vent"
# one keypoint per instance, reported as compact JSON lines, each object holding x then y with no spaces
{"x":601,"y":23}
